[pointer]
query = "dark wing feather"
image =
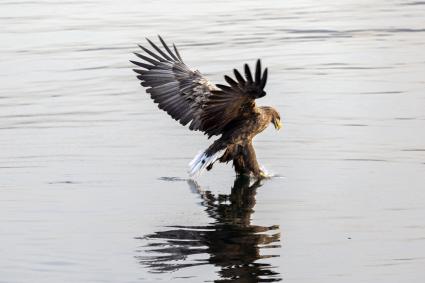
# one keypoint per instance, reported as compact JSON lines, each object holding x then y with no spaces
{"x":187,"y":96}
{"x":178,"y":90}
{"x":233,"y":102}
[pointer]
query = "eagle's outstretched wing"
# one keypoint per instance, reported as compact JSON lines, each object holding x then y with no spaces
{"x":187,"y":96}
{"x":235,"y":101}
{"x":178,"y":90}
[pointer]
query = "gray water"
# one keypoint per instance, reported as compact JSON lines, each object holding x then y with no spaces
{"x":93,"y":183}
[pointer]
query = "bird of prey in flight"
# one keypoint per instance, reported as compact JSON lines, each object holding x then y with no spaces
{"x":225,"y":110}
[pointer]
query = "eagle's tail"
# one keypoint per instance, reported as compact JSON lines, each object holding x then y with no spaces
{"x":201,"y":161}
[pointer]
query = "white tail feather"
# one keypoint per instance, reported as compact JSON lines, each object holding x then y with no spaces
{"x":202,"y":161}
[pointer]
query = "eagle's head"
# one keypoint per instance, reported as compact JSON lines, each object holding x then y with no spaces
{"x":273,"y":115}
{"x":276,"y":119}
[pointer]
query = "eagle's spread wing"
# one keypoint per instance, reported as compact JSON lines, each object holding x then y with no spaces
{"x":187,"y":96}
{"x":178,"y":90}
{"x":234,"y":101}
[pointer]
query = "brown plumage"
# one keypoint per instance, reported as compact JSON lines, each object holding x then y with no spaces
{"x":228,"y":111}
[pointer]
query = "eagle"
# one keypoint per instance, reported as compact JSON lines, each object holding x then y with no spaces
{"x":227,"y":110}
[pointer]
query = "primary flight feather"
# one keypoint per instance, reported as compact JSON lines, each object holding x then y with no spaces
{"x":228,"y":111}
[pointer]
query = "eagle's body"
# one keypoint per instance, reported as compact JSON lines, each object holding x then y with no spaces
{"x":225,"y":110}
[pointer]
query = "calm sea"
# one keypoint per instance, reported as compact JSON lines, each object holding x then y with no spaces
{"x":93,"y":182}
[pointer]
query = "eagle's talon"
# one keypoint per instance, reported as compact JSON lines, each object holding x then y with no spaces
{"x":263,"y":175}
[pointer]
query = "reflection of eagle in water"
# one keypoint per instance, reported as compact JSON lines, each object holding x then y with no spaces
{"x":226,"y":110}
{"x":240,"y":250}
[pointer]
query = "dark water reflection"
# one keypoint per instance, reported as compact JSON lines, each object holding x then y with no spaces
{"x":231,"y":242}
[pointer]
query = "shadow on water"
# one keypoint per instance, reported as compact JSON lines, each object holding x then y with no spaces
{"x":230,"y":242}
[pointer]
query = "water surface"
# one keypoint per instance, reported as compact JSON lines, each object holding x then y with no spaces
{"x":93,"y":177}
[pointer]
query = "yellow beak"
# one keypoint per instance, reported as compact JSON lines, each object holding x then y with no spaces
{"x":278,"y":125}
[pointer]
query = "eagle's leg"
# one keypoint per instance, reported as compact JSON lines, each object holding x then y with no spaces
{"x":250,"y":161}
{"x":239,"y":164}
{"x":228,"y":155}
{"x":244,"y":160}
{"x":234,"y":152}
